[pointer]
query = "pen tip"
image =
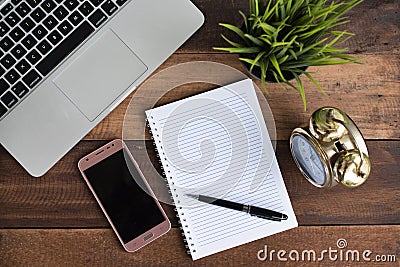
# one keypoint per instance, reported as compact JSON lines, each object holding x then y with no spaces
{"x":284,"y":217}
{"x":193,"y":196}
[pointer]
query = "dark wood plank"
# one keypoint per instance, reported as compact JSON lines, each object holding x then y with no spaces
{"x":375,"y":23}
{"x":369,"y":93}
{"x":61,"y":198}
{"x":99,"y":247}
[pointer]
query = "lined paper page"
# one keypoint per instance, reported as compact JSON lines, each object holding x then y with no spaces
{"x":217,"y":144}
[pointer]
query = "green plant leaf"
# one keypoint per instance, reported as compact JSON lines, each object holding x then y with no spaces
{"x":234,"y":29}
{"x":283,"y":11}
{"x":254,"y":40}
{"x":244,"y":20}
{"x":270,"y":11}
{"x":283,"y":59}
{"x":253,"y":4}
{"x":274,"y":44}
{"x":301,"y":90}
{"x":266,"y":38}
{"x":239,"y":50}
{"x":275,"y":63}
{"x":248,"y":60}
{"x":288,"y":7}
{"x":258,"y":57}
{"x":231,"y":42}
{"x":293,"y":53}
{"x":263,"y":76}
{"x":267,"y":28}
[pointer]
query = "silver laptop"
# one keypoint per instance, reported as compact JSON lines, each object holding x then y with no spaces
{"x":66,"y":64}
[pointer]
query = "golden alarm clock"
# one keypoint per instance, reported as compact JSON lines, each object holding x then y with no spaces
{"x":330,"y":149}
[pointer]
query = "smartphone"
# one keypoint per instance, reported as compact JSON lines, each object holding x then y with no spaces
{"x":118,"y":185}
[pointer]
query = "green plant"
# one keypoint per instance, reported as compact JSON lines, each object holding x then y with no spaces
{"x":284,"y":37}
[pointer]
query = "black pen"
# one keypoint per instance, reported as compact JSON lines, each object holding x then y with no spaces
{"x":253,"y":211}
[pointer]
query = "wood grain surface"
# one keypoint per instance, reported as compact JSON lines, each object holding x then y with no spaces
{"x":55,"y":221}
{"x":369,"y":93}
{"x":375,"y":23}
{"x":62,"y":199}
{"x":99,"y":247}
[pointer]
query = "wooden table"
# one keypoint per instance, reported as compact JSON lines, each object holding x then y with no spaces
{"x":54,"y":220}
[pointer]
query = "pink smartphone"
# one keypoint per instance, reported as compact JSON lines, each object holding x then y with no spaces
{"x":116,"y":182}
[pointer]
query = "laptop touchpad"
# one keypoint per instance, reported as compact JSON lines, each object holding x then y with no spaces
{"x":100,"y":75}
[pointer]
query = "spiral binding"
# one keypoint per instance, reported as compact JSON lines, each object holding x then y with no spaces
{"x":189,"y":245}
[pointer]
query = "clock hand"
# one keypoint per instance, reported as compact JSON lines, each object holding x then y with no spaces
{"x":316,"y":165}
{"x":312,"y":166}
{"x":313,"y":158}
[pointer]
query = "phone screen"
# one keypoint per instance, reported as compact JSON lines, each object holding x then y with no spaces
{"x":130,"y":208}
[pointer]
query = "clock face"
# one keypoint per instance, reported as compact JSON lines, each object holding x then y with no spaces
{"x":308,"y":159}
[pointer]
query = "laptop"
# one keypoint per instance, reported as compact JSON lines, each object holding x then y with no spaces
{"x":66,"y":64}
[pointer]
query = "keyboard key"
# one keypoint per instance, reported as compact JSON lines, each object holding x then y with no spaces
{"x":97,"y":18}
{"x":12,"y":19}
{"x":60,"y":12}
{"x":38,"y":14}
{"x":23,"y":66}
{"x":64,"y":48}
{"x":27,"y":24}
{"x":109,"y":7}
{"x":121,"y":2}
{"x":9,"y":99}
{"x":86,"y":8}
{"x":96,"y":2}
{"x":3,"y":86}
{"x":54,"y":37}
{"x":29,"y":42}
{"x":33,"y":3}
{"x":75,"y":18}
{"x":39,"y":32}
{"x":6,"y":43}
{"x":50,"y":22}
{"x":16,"y":2}
{"x":32,"y":79}
{"x":17,"y":34}
{"x":71,"y":4}
{"x":2,"y":71}
{"x":44,"y":47}
{"x":23,"y":10}
{"x":12,"y":76}
{"x":7,"y":8}
{"x":3,"y":29}
{"x":18,"y":51}
{"x":33,"y":57}
{"x":65,"y":27}
{"x":20,"y":89}
{"x":7,"y":61}
{"x":48,"y":5}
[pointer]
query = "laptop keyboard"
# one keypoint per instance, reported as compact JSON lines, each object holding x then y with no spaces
{"x":36,"y":35}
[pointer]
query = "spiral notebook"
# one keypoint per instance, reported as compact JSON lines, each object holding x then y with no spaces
{"x":217,"y":144}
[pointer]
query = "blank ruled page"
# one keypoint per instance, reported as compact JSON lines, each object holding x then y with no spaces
{"x":217,"y":144}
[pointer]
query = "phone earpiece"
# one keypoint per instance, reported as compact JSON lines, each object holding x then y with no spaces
{"x":351,"y":168}
{"x":326,"y":124}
